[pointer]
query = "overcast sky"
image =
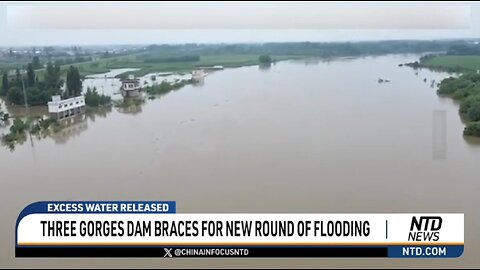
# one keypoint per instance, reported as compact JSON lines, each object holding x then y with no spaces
{"x":53,"y":23}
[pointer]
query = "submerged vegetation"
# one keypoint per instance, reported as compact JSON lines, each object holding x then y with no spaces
{"x":165,"y":87}
{"x":129,"y":102}
{"x":94,"y":99}
{"x":3,"y":117}
{"x":20,"y":128}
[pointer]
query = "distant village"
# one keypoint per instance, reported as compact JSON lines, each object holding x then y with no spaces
{"x":11,"y":57}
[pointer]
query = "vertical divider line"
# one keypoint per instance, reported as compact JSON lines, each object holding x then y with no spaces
{"x":386,"y":229}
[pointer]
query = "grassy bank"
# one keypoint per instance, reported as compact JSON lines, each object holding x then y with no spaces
{"x":454,"y":62}
{"x":139,"y":61}
{"x":226,"y":60}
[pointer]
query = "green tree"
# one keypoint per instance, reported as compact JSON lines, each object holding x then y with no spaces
{"x":93,"y":99}
{"x":15,"y":95}
{"x":472,"y":129}
{"x":37,"y":96}
{"x":74,"y":82}
{"x":36,"y":62}
{"x":18,"y":78}
{"x":5,"y":85}
{"x":265,"y":59}
{"x":18,"y":126}
{"x":59,"y":62}
{"x":52,"y":78}
{"x":474,"y":112}
{"x":30,"y":75}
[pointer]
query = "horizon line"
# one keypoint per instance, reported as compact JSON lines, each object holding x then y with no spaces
{"x":254,"y":42}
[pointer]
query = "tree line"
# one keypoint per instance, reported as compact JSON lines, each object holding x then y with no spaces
{"x":466,"y":89}
{"x":322,"y":49}
{"x":40,"y":91}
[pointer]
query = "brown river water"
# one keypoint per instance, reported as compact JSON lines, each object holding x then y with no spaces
{"x":299,"y":137}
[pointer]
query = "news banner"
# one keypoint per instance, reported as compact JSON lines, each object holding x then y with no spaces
{"x":155,"y":229}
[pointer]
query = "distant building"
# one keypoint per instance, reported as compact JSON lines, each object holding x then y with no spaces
{"x":13,"y":72}
{"x":216,"y":67}
{"x":130,"y":87}
{"x":198,"y":74}
{"x":63,"y":108}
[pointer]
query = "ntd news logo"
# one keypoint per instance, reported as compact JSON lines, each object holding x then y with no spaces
{"x":425,"y":229}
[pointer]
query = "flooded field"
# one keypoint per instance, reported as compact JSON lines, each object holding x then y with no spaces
{"x":107,"y":84}
{"x":300,"y":136}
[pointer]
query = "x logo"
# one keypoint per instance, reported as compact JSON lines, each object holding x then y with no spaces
{"x":167,"y":252}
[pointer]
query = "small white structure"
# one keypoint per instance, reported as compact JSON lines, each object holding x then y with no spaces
{"x":198,"y":75}
{"x":215,"y":67}
{"x":60,"y":109}
{"x":130,"y":87}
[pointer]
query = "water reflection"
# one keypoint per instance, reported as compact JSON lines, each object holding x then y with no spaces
{"x":199,"y":82}
{"x":21,"y":111}
{"x":265,"y":66}
{"x":101,"y":111}
{"x":67,"y":128}
{"x":312,"y":61}
{"x":472,"y":141}
{"x":131,"y":105}
{"x":72,"y":128}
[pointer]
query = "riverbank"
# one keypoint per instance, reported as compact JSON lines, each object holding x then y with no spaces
{"x":464,"y":88}
{"x":448,"y":63}
{"x":454,"y":62}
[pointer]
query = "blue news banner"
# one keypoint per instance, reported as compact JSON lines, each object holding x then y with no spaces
{"x":154,"y":229}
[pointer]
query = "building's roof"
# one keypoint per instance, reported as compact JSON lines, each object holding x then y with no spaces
{"x":130,"y":81}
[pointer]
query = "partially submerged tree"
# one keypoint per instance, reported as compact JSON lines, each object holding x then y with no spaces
{"x":265,"y":59}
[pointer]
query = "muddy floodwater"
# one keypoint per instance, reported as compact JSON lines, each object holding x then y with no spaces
{"x":300,"y":136}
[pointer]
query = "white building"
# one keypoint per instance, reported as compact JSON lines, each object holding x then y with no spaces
{"x":62,"y":108}
{"x":198,"y":75}
{"x":130,"y":87}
